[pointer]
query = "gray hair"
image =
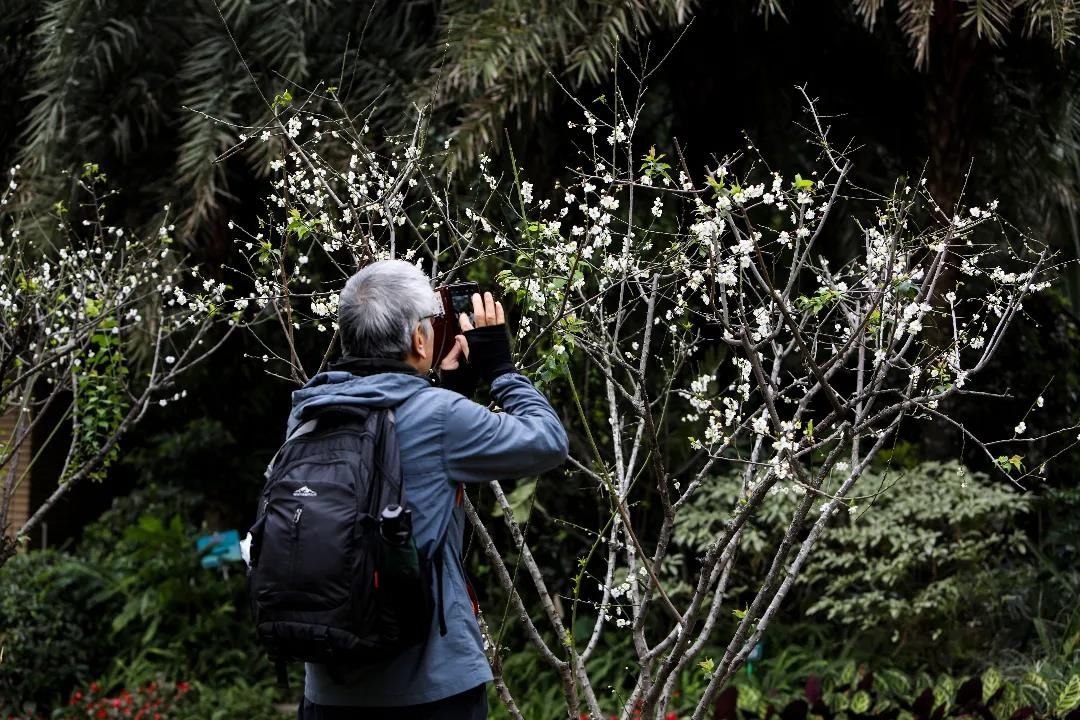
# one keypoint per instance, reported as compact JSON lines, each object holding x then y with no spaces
{"x":380,"y":307}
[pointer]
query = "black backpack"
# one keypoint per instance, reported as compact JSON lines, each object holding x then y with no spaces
{"x":334,"y":576}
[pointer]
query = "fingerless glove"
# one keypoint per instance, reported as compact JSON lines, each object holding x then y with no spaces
{"x":463,"y":380}
{"x":489,"y":351}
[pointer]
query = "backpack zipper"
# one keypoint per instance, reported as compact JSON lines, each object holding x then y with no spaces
{"x":294,"y":546}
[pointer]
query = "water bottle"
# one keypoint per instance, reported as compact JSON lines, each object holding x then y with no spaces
{"x":400,"y":560}
{"x":395,"y":524}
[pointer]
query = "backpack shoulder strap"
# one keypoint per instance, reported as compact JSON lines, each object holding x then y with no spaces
{"x":302,"y":429}
{"x":439,"y":561}
{"x":387,"y":451}
{"x":332,"y":413}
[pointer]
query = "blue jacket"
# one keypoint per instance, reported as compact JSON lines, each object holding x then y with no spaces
{"x":445,"y":439}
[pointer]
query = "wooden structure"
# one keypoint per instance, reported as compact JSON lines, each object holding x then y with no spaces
{"x":19,"y":511}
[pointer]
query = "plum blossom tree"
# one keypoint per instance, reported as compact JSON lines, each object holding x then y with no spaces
{"x":96,"y":326}
{"x":714,"y":315}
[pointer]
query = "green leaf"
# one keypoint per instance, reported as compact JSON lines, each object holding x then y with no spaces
{"x":282,"y":99}
{"x":651,"y":165}
{"x":944,"y":692}
{"x":1007,"y":464}
{"x":801,"y":184}
{"x":991,"y":682}
{"x":906,"y":288}
{"x":299,"y":225}
{"x":818,"y":302}
{"x":151,"y":524}
{"x":1069,"y":699}
{"x":717,"y":186}
{"x":1036,"y":681}
{"x":847,"y":675}
{"x":883,"y":706}
{"x":707,"y":666}
{"x":91,"y":171}
{"x":840,"y":703}
{"x":875,"y":321}
{"x":860,"y":702}
{"x":749,"y":699}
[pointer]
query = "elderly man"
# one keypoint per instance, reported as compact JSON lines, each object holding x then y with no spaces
{"x":445,"y":439}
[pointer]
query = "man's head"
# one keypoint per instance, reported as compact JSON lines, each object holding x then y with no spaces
{"x":385,"y":312}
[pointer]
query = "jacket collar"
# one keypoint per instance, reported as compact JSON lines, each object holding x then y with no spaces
{"x":362,"y":367}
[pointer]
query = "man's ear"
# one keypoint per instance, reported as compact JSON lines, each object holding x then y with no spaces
{"x":420,"y":344}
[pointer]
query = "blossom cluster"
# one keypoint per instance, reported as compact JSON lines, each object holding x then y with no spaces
{"x":742,"y":254}
{"x":628,"y":259}
{"x":102,"y":279}
{"x":329,"y":217}
{"x":79,"y":303}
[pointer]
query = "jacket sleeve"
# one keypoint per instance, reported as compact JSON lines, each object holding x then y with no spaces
{"x":526,"y":439}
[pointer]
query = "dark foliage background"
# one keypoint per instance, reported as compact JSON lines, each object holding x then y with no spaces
{"x":986,"y":88}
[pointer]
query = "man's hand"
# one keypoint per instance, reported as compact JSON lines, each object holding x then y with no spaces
{"x":485,"y":345}
{"x":488,"y":312}
{"x":452,"y":360}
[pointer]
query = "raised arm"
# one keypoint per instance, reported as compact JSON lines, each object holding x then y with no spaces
{"x":526,"y":439}
{"x":480,"y":445}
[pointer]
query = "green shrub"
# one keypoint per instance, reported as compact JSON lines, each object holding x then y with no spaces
{"x":103,"y":539}
{"x":239,"y":699}
{"x":51,"y":608}
{"x":921,"y":566}
{"x":174,"y":617}
{"x":136,"y":607}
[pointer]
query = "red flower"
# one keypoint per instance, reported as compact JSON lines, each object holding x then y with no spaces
{"x":671,"y":716}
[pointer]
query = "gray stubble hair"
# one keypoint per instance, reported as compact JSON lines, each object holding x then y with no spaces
{"x":380,"y":306}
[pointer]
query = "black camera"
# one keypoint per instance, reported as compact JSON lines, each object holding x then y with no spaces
{"x":456,"y":299}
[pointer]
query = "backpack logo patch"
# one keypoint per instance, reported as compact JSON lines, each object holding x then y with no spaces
{"x":304,"y":492}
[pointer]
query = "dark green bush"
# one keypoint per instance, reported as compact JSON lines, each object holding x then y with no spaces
{"x":920,"y":571}
{"x":52,"y":611}
{"x":135,"y":606}
{"x":175,"y":617}
{"x":239,"y":699}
